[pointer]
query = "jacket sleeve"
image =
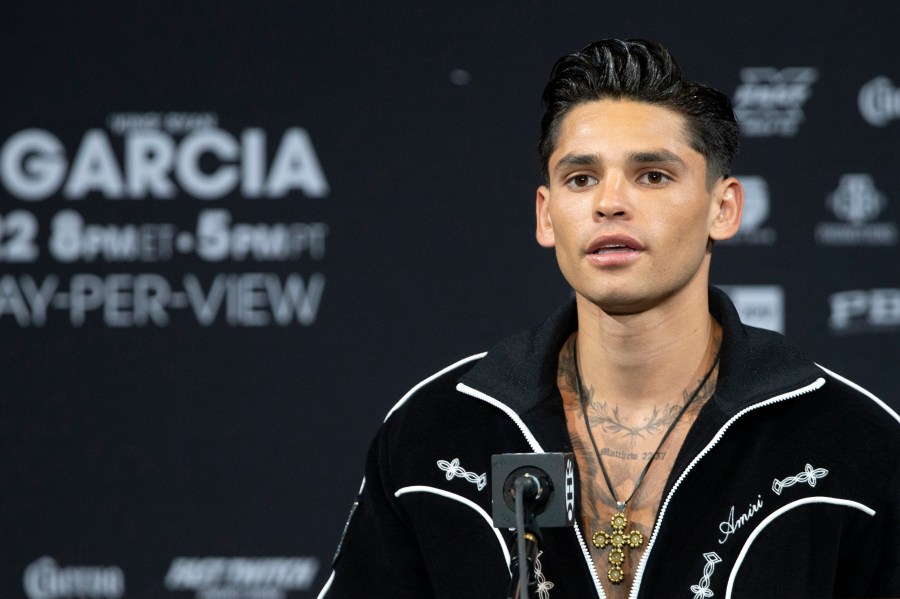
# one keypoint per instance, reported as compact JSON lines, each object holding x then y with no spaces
{"x":378,"y":555}
{"x":885,"y":581}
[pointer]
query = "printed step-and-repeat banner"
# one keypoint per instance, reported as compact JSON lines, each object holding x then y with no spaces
{"x":231,"y":237}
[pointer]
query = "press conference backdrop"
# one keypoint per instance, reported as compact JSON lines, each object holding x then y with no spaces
{"x":233,"y":235}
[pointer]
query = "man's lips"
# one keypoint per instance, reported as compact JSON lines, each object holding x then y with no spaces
{"x":613,"y":244}
{"x":614,"y":251}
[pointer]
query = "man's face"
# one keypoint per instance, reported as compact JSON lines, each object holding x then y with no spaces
{"x":627,"y":206}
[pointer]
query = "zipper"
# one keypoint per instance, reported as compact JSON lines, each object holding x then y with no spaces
{"x":638,"y":575}
{"x":590,"y":562}
{"x":536,"y":447}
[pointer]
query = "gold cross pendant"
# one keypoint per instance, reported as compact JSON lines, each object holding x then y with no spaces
{"x":617,"y":538}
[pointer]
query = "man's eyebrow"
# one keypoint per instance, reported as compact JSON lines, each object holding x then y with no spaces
{"x":572,"y":160}
{"x":646,"y":157}
{"x":657,"y":157}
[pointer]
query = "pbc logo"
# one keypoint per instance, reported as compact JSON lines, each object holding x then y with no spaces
{"x":769,"y":102}
{"x":861,"y":310}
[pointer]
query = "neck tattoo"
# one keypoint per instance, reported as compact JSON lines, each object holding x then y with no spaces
{"x":616,"y":538}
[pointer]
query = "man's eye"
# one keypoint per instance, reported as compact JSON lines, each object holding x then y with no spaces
{"x":582,"y":181}
{"x":655,"y":178}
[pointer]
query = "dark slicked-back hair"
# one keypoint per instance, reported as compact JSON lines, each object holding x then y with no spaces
{"x":642,"y":71}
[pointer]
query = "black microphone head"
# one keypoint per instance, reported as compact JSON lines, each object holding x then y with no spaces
{"x":536,"y":487}
{"x":550,"y":477}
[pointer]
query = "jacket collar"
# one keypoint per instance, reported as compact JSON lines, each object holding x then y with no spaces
{"x":754,"y":364}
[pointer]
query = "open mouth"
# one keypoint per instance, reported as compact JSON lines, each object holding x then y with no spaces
{"x":613,"y":248}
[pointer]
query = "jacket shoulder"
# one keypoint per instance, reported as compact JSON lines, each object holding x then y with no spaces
{"x":869,"y":402}
{"x":438,"y":385}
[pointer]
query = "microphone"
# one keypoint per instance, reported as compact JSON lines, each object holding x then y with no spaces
{"x":524,"y":496}
{"x":548,"y":488}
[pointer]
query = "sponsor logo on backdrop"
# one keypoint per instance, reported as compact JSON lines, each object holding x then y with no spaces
{"x":879,"y":102}
{"x":83,"y":214}
{"x":241,"y":577}
{"x":758,"y":305}
{"x":756,"y":211}
{"x":858,"y":203}
{"x":769,"y":101}
{"x":45,"y":579}
{"x":864,"y":311}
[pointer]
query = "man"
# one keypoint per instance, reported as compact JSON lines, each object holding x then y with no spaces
{"x":727,"y":462}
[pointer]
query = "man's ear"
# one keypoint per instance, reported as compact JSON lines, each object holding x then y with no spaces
{"x":726,"y":209}
{"x":544,"y":232}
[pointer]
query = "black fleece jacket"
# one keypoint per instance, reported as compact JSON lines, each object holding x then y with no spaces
{"x":787,"y":485}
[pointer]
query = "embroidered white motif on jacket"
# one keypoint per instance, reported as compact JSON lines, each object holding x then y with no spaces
{"x":453,"y":469}
{"x":543,"y":585}
{"x":702,"y":590}
{"x":809,"y":475}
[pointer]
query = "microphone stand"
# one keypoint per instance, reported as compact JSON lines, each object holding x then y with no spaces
{"x":528,"y":537}
{"x":531,"y":540}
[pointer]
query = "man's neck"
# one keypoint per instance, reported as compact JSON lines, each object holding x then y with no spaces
{"x":639,"y":359}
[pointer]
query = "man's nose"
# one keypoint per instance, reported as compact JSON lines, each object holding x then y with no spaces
{"x":610,"y":199}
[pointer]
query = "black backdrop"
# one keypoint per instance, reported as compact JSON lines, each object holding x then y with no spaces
{"x":233,"y":235}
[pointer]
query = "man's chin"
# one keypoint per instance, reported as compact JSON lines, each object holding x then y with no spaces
{"x":617,"y":303}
